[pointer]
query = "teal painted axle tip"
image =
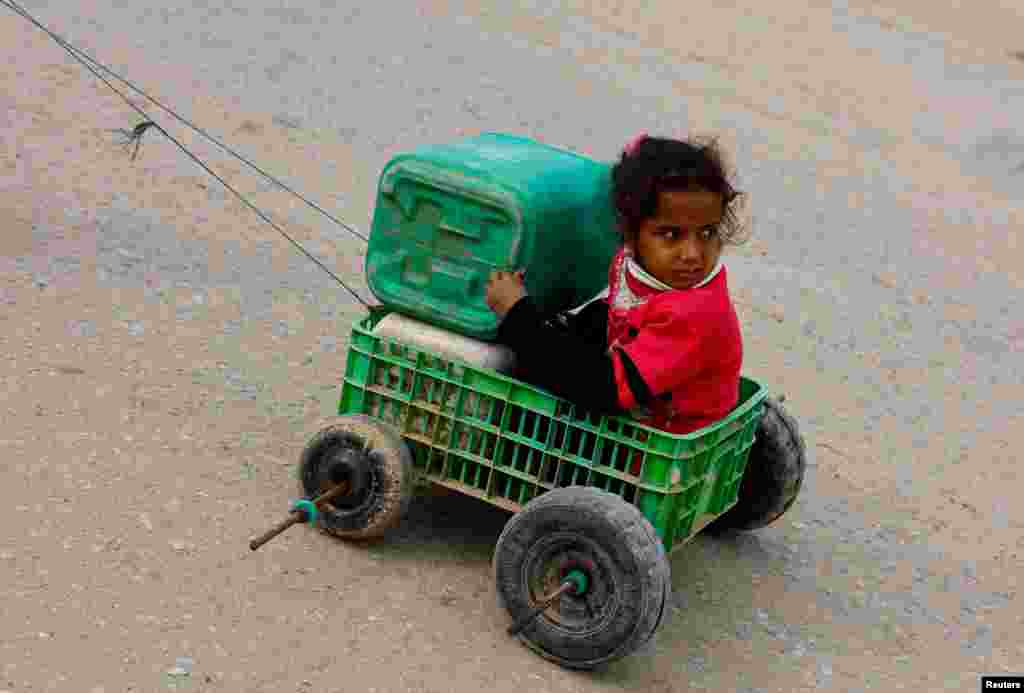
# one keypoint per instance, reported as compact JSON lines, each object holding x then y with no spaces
{"x":308,"y":508}
{"x":579,"y":580}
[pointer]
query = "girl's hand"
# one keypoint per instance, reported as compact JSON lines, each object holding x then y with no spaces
{"x":504,"y":289}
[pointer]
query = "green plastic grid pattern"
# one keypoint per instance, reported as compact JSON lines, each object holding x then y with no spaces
{"x":506,"y":442}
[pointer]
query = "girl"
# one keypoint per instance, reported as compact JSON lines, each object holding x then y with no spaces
{"x":662,"y":343}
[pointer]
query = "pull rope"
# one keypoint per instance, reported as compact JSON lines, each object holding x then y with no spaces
{"x":135,"y":136}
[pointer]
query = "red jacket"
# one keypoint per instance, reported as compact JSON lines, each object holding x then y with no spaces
{"x":686,"y":344}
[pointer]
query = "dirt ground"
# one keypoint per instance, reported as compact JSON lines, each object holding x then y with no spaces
{"x":166,"y":355}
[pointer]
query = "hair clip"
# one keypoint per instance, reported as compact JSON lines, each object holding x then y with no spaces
{"x":634,"y":143}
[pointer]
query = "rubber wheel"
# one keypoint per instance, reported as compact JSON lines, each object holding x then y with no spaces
{"x":372,"y":457}
{"x":628,"y":575}
{"x":774,"y":474}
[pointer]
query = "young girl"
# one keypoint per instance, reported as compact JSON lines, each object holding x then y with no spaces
{"x":663,"y":343}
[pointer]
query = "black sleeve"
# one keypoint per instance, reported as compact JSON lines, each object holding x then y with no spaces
{"x":591,"y":323}
{"x":571,"y":363}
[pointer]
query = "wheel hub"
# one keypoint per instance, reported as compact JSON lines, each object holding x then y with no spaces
{"x":592,"y":599}
{"x":352,"y":466}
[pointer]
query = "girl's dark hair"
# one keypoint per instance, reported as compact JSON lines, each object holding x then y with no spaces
{"x":655,"y":165}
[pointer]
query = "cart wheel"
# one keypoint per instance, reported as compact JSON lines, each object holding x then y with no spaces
{"x":372,"y":457}
{"x":774,"y":474}
{"x":624,"y":562}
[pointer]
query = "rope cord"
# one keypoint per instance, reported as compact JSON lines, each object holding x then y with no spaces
{"x":136,"y":134}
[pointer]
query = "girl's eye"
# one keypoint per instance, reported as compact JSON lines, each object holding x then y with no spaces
{"x":705,"y":234}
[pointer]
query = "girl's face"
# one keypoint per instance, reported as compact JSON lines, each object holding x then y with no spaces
{"x":680,"y":244}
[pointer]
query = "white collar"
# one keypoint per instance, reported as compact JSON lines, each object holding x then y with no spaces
{"x":644,"y":278}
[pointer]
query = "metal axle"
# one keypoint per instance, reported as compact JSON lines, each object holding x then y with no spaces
{"x":300,"y":515}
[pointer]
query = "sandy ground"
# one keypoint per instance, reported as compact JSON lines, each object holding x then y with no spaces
{"x":166,"y":354}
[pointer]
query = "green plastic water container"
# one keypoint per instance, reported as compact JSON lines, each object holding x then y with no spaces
{"x":447,"y":215}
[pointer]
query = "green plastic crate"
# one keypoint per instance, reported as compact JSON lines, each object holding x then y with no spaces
{"x":506,"y":442}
